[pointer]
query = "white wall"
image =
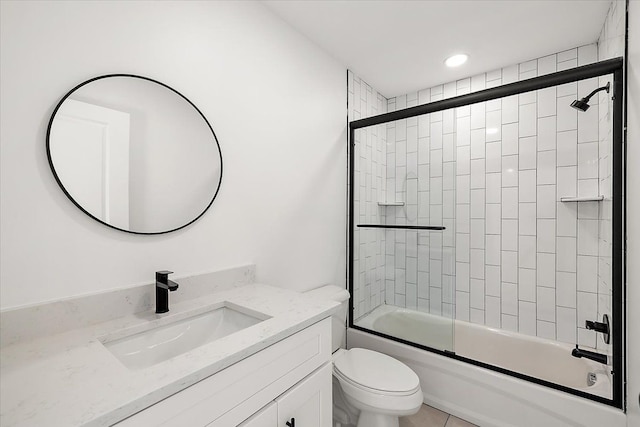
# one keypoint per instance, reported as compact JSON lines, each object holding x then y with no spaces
{"x":633,"y":215}
{"x":276,"y":102}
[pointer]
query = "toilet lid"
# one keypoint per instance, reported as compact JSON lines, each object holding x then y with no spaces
{"x":376,"y":371}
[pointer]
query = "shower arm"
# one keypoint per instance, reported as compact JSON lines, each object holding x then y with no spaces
{"x":588,"y":97}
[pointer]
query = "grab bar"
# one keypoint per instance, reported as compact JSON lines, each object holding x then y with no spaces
{"x":404,"y":227}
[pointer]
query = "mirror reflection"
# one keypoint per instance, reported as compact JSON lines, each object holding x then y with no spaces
{"x":134,"y":154}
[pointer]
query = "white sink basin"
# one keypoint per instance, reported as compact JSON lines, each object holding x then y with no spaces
{"x":161,"y":343}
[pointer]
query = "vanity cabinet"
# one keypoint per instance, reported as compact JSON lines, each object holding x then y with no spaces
{"x":307,"y":404}
{"x":288,"y":379}
{"x":266,"y":417}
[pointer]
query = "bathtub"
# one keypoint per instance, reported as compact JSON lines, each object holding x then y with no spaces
{"x":484,"y":396}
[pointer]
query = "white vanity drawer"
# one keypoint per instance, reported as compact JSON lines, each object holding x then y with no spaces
{"x":228,"y":397}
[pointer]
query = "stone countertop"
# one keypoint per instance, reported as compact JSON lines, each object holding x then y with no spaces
{"x":71,"y":379}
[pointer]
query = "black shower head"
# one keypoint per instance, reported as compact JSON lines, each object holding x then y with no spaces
{"x":583,"y":104}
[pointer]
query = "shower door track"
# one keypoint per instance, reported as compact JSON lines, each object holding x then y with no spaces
{"x":613,"y":66}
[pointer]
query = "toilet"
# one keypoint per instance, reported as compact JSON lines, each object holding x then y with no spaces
{"x":370,"y":389}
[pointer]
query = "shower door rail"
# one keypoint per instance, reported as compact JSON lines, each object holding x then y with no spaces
{"x":613,"y":66}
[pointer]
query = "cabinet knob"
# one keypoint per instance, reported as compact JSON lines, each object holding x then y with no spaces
{"x":291,"y":423}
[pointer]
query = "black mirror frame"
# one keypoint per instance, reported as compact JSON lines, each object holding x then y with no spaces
{"x":64,"y":190}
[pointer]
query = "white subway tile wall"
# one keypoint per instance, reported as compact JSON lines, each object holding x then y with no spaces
{"x":513,"y":256}
{"x":518,"y":250}
{"x":423,"y":176}
{"x":372,"y":261}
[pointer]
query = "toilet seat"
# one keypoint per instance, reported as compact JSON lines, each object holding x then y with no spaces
{"x":376,"y":373}
{"x":376,"y":383}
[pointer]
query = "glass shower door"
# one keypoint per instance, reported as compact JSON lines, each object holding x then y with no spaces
{"x":494,"y":231}
{"x":404,"y":225}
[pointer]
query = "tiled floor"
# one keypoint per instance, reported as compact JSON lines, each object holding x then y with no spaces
{"x":432,"y":417}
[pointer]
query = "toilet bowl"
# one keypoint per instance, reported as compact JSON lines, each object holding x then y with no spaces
{"x":380,"y":387}
{"x":370,"y":389}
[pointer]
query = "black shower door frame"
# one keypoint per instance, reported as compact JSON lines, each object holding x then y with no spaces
{"x":613,"y":66}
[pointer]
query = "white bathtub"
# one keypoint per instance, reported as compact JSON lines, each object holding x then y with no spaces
{"x":484,"y":396}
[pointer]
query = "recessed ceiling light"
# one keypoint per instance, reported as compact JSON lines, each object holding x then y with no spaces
{"x":456,"y":60}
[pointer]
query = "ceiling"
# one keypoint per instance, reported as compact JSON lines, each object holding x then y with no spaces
{"x":400,"y":46}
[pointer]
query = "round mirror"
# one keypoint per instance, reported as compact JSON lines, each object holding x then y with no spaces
{"x":134,"y":154}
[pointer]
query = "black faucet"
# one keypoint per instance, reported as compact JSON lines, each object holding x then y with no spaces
{"x":600,"y":358}
{"x":163,"y":286}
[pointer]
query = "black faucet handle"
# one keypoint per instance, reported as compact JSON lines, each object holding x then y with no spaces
{"x":602,"y":327}
{"x":163,"y":275}
{"x":596,"y":326}
{"x":164,"y":272}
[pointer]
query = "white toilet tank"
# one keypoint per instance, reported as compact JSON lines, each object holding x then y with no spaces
{"x":339,"y":319}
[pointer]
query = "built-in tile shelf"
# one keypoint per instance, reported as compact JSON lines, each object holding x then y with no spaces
{"x":582,"y":199}
{"x":390,"y":203}
{"x":404,"y":227}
